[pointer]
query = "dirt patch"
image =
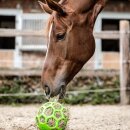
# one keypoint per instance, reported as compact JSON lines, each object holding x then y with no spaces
{"x":81,"y":117}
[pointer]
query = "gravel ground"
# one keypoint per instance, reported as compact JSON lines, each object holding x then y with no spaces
{"x":81,"y":117}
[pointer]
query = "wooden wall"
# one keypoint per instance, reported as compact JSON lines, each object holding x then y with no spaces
{"x":32,"y":5}
{"x":6,"y":58}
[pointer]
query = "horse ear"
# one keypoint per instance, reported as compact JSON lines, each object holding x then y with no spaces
{"x":45,"y":7}
{"x":55,"y":6}
{"x":97,"y":9}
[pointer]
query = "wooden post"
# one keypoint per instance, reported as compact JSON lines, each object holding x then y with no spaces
{"x":124,"y":62}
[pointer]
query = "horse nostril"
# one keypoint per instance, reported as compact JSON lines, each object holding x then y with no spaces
{"x":62,"y":92}
{"x":47,"y":90}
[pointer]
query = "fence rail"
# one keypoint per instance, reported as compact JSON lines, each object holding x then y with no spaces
{"x":25,"y":33}
{"x":41,"y":33}
{"x":68,"y":92}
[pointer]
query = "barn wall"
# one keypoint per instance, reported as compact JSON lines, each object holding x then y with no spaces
{"x":6,"y":58}
{"x":32,"y":5}
{"x":25,"y":5}
{"x":117,"y":6}
{"x":32,"y":59}
{"x":35,"y":59}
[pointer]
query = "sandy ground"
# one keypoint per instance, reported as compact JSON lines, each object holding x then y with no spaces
{"x":81,"y":117}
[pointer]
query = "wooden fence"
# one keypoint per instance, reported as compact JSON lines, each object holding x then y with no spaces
{"x":125,"y":62}
{"x":123,"y":35}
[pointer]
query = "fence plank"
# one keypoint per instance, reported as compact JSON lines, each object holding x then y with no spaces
{"x":124,"y":62}
{"x":41,"y":33}
{"x":37,"y":72}
{"x":14,"y":32}
{"x":42,"y":48}
{"x":107,"y":35}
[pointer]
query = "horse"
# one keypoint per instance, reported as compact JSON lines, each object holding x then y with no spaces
{"x":70,"y":41}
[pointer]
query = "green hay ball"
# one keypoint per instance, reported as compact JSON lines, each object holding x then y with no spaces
{"x":52,"y":116}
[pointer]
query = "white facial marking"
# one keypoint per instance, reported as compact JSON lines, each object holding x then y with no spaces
{"x":48,"y":43}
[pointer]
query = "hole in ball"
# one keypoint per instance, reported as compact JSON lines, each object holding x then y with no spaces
{"x":51,"y":122}
{"x":57,"y":114}
{"x":42,"y":119}
{"x":48,"y":111}
{"x":57,"y":106}
{"x":62,"y":124}
{"x":65,"y":112}
{"x":40,"y":111}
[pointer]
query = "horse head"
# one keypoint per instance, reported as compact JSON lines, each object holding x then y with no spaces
{"x":70,"y":41}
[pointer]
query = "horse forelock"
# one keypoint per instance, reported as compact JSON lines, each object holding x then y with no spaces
{"x":52,"y":21}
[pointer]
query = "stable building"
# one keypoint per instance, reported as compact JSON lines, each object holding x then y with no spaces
{"x":29,"y":52}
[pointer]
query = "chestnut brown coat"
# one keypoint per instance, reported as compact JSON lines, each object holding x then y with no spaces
{"x":70,"y":41}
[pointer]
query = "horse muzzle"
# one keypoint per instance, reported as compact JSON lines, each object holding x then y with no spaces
{"x":55,"y":91}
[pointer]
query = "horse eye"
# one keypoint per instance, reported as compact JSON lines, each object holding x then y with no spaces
{"x":60,"y":36}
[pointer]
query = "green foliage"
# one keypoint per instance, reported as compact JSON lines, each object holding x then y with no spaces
{"x":17,"y":85}
{"x":22,"y":99}
{"x":94,"y":98}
